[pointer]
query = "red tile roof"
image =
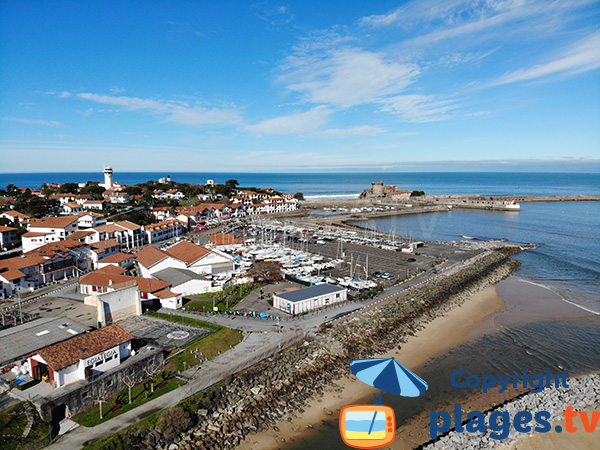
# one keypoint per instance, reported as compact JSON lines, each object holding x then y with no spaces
{"x":165,"y":293}
{"x":150,"y":255}
{"x":187,"y":252}
{"x":129,"y":225}
{"x":66,"y":353}
{"x":116,"y":258}
{"x":150,"y":285}
{"x":53,"y":222}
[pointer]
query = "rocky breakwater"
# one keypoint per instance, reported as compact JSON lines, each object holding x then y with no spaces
{"x":583,"y":394}
{"x":277,"y":388}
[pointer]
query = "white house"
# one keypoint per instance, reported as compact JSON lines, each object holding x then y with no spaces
{"x":165,"y":230}
{"x":70,"y":208}
{"x":183,"y":255}
{"x":128,"y":234}
{"x":310,"y":298}
{"x":90,"y":220}
{"x":48,"y":229}
{"x":81,"y":357}
{"x":8,"y":235}
{"x":15,"y":216}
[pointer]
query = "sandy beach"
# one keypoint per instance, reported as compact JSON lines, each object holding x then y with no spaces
{"x":485,"y":312}
{"x":437,"y":336}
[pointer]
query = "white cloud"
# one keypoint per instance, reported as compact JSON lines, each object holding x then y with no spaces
{"x":298,"y":123}
{"x":348,"y":76}
{"x":49,"y":123}
{"x":177,"y":112}
{"x":419,"y":108}
{"x":581,"y":57}
{"x":65,"y":94}
{"x":363,"y":130}
{"x":433,"y":21}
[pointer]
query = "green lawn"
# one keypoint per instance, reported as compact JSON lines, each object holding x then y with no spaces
{"x":206,"y":295}
{"x":207,"y":306}
{"x":13,"y":421}
{"x":91,"y":417}
{"x":208,"y":345}
{"x":116,"y":441}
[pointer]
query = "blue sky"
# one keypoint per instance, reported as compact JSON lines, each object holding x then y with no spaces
{"x":211,"y":86}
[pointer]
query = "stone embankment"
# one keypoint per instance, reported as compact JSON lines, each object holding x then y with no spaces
{"x":583,"y":394}
{"x":277,"y":388}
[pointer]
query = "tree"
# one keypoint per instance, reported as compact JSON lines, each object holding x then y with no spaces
{"x":130,"y":381}
{"x":37,"y":207}
{"x":152,"y":371}
{"x":264,"y":271}
{"x":134,"y":190}
{"x":299,"y":196}
{"x":417,"y":193}
{"x":223,"y":190}
{"x":100,"y":396}
{"x":68,"y":188}
{"x":93,"y":190}
{"x":232,"y":183}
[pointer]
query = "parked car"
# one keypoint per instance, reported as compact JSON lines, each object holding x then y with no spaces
{"x":411,"y":259}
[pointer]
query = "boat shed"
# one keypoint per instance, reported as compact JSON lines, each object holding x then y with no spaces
{"x":310,"y":298}
{"x":81,"y":357}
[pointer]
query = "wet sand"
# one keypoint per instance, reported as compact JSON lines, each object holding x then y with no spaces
{"x":438,"y":336}
{"x":485,"y":312}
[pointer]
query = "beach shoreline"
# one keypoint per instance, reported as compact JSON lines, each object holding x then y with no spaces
{"x":484,"y":312}
{"x":437,"y":336}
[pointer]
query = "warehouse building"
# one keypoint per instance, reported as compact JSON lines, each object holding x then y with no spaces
{"x":310,"y":298}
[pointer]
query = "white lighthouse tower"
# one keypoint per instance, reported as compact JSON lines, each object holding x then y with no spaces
{"x":108,"y":172}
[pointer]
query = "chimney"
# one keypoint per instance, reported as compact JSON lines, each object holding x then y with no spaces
{"x":110,"y":282}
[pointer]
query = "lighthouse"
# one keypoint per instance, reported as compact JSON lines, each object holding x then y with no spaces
{"x":108,"y":172}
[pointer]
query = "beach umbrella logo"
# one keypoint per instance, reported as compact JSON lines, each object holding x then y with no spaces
{"x":374,"y":426}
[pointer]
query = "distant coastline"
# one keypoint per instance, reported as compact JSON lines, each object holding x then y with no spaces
{"x":351,"y":183}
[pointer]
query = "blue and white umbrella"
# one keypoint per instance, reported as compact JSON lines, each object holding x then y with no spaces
{"x":388,"y":375}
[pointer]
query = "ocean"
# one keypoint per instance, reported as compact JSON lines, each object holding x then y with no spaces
{"x":324,"y":185}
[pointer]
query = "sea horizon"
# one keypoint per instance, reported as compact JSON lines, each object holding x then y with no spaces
{"x":345,"y":184}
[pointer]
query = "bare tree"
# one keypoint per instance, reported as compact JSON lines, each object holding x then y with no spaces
{"x":151,"y":372}
{"x":130,"y":381}
{"x":265,"y":271}
{"x":100,"y":396}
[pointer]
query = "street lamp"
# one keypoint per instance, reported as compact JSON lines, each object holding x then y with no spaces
{"x":19,"y":302}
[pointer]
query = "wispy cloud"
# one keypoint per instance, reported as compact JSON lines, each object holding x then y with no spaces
{"x":363,"y":130}
{"x":580,"y":57}
{"x":275,"y":17}
{"x":347,"y":76}
{"x":420,"y":108}
{"x":176,"y":112}
{"x":297,"y":123}
{"x":49,"y":123}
